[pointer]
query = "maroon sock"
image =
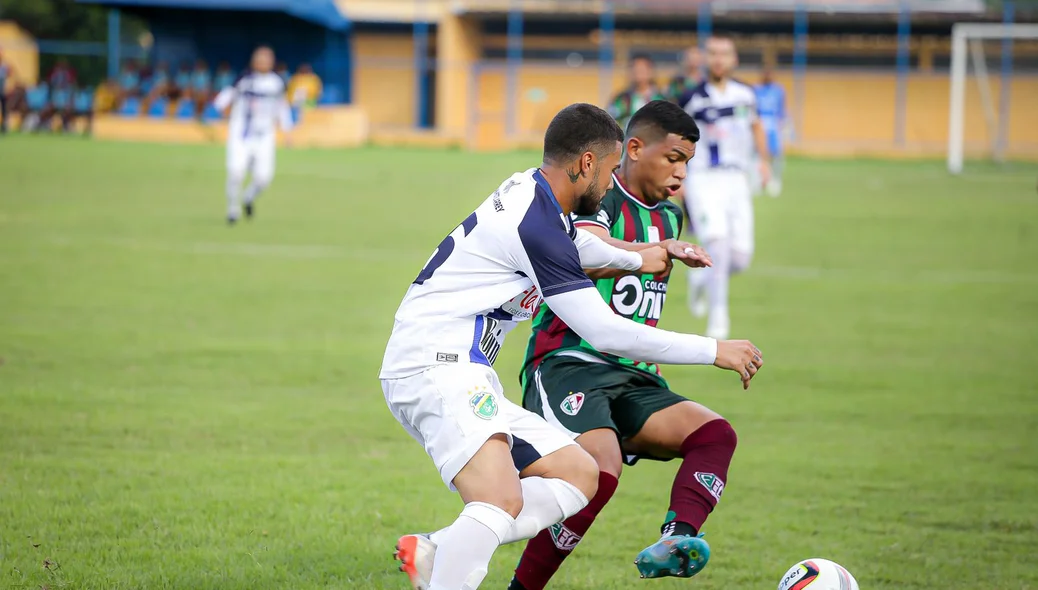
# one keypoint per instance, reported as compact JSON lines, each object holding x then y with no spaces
{"x":545,"y":552}
{"x":701,"y":478}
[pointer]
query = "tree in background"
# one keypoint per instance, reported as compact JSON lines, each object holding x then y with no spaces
{"x":67,"y":20}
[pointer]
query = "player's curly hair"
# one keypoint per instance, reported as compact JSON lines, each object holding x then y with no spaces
{"x":659,"y":118}
{"x":577,"y":129}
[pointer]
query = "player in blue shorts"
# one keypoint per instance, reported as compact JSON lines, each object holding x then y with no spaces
{"x":771,"y":108}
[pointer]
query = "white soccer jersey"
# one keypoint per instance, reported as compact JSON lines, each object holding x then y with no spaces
{"x":486,"y":276}
{"x":725,"y":119}
{"x":258,"y":104}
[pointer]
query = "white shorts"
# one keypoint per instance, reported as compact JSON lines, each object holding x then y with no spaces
{"x":720,"y":207}
{"x":254,"y":154}
{"x":451,"y":410}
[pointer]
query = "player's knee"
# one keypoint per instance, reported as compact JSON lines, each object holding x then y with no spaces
{"x":263,"y":179}
{"x":720,"y":433}
{"x":510,"y":501}
{"x":740,"y":261}
{"x":582,"y":472}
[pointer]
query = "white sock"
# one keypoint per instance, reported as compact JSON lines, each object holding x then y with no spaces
{"x":233,"y":195}
{"x":464,"y":549}
{"x":253,"y":190}
{"x":545,"y":502}
{"x":717,"y":288}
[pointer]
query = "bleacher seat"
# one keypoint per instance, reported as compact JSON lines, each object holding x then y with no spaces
{"x":211,"y":113}
{"x":186,"y":109}
{"x":159,"y":107}
{"x":131,"y":107}
{"x":332,"y":95}
{"x":37,"y":97}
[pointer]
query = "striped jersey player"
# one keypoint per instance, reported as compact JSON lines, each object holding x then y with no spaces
{"x":517,"y":474}
{"x":258,"y":104}
{"x":718,"y":196}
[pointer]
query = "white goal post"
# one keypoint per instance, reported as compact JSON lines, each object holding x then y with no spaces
{"x":962,"y":34}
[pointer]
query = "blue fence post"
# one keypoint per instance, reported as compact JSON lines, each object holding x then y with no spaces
{"x":904,"y":28}
{"x":114,"y":42}
{"x":1005,"y":80}
{"x":799,"y":67}
{"x":606,"y":52}
{"x":421,"y":67}
{"x":515,"y":60}
{"x":346,"y":42}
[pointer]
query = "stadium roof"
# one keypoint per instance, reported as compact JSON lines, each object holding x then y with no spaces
{"x":321,"y":12}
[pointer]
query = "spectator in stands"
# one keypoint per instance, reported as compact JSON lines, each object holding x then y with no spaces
{"x":201,"y":86}
{"x":82,"y":108}
{"x":106,"y":96}
{"x":61,"y":75}
{"x":282,"y":70}
{"x":129,"y":81}
{"x":641,"y":90}
{"x":159,"y":82}
{"x":224,"y":77}
{"x":6,"y":96}
{"x":304,"y":87}
{"x":182,"y":83}
{"x":691,"y":74}
{"x":59,"y":105}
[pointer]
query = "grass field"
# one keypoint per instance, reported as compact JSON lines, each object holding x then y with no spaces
{"x":184,"y":405}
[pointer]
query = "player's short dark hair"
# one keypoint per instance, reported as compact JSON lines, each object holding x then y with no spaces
{"x":580,"y":128}
{"x":643,"y":57}
{"x":659,"y":118}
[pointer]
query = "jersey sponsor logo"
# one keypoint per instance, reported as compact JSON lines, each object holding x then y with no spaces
{"x":712,"y":483}
{"x":523,"y":305}
{"x":565,"y":539}
{"x":572,"y":404}
{"x":446,"y":357}
{"x":634,"y":297}
{"x":491,"y":339}
{"x":483,"y":404}
{"x":653,"y":234}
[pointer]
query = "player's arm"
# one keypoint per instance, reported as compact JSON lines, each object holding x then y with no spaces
{"x":760,"y":140}
{"x":690,"y":254}
{"x":551,"y":261}
{"x":605,"y":257}
{"x":224,"y":99}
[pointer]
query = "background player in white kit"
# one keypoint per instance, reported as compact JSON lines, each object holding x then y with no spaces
{"x":258,"y":104}
{"x":718,"y":198}
{"x":517,"y":474}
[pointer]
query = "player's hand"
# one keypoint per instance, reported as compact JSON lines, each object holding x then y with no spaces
{"x":740,"y":356}
{"x":655,"y":261}
{"x":764,"y":168}
{"x":691,"y":254}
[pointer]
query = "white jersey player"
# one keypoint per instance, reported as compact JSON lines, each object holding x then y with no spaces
{"x":258,"y":106}
{"x":718,"y":197}
{"x":515,"y":472}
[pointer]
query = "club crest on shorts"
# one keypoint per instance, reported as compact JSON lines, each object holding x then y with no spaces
{"x":564,"y":539}
{"x":713,"y":484}
{"x":483,"y":404}
{"x":572,"y":404}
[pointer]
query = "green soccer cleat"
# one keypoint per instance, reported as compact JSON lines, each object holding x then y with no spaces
{"x":679,"y":556}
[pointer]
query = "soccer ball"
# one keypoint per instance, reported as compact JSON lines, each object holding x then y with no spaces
{"x":818,"y":574}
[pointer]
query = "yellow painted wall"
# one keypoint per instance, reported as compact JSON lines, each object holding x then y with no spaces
{"x":384,"y":77}
{"x":19,"y":50}
{"x":848,"y":108}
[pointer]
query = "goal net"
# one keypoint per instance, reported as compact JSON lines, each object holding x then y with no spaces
{"x":968,"y":49}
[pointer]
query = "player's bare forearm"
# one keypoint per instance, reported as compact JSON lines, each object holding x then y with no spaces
{"x":760,"y":138}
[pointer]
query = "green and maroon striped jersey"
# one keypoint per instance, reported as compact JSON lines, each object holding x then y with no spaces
{"x":636,"y":297}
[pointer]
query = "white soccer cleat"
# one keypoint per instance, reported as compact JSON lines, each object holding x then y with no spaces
{"x":415,"y":554}
{"x":718,"y":329}
{"x":774,"y":187}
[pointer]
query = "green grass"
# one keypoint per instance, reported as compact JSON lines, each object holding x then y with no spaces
{"x":188,"y":406}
